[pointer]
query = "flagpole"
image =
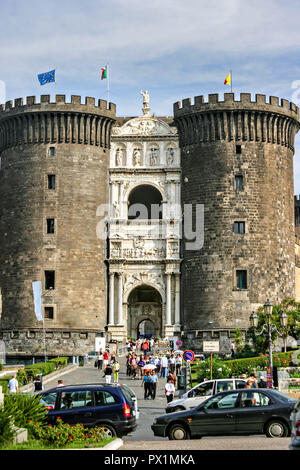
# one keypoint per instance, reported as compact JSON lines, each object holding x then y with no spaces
{"x":55,"y":84}
{"x":107,"y":83}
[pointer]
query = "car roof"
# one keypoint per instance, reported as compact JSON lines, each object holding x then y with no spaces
{"x":82,"y":386}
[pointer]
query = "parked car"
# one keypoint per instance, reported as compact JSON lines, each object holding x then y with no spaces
{"x":295,"y":427}
{"x":110,"y":406}
{"x":192,"y":398}
{"x":237,"y":412}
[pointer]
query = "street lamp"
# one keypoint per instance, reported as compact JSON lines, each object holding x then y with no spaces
{"x":269,"y":328}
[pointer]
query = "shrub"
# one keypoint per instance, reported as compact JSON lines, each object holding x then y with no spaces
{"x":62,"y":434}
{"x":220,"y":369}
{"x":6,"y":430}
{"x":24,"y":407}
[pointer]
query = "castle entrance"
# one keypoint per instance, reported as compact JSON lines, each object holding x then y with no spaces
{"x":144,"y":312}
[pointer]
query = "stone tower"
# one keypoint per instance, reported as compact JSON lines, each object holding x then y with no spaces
{"x":237,"y":161}
{"x":53,"y":177}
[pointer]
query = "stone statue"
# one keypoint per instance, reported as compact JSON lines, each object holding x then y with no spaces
{"x":170,"y":156}
{"x":153,"y":156}
{"x":145,"y":98}
{"x":119,"y":157}
{"x":136,"y":157}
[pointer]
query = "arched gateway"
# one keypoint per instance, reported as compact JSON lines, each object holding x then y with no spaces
{"x":144,"y":312}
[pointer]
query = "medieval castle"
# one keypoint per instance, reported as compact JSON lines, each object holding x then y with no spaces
{"x":77,"y":189}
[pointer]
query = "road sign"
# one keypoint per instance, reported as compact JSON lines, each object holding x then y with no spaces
{"x":188,"y":356}
{"x":179,"y":343}
{"x":211,"y":346}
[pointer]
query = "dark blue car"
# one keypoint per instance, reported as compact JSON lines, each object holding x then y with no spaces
{"x":108,"y":406}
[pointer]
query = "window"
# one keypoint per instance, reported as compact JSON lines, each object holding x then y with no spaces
{"x":49,"y":280}
{"x":103,"y":398}
{"x":51,"y":181}
{"x":77,"y":399}
{"x":50,"y":225}
{"x":49,"y":400}
{"x":239,"y":227}
{"x":224,"y":386}
{"x":239,"y":183}
{"x":251,"y":398}
{"x":222,"y":401}
{"x":240,"y":384}
{"x":238,"y":149}
{"x":241,"y":279}
{"x":52,"y":151}
{"x":49,"y":313}
{"x":203,"y":390}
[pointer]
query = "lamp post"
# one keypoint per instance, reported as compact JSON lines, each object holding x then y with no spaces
{"x":269,"y":328}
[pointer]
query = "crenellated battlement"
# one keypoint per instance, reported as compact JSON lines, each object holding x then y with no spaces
{"x":261,"y":103}
{"x":272,"y":121}
{"x":60,"y":104}
{"x":56,"y":122}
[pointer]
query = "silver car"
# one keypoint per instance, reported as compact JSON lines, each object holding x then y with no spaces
{"x":295,"y":427}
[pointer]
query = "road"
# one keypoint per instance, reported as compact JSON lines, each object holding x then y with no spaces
{"x":143,"y":438}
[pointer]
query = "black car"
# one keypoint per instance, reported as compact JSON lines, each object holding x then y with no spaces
{"x":108,"y":406}
{"x":237,"y":412}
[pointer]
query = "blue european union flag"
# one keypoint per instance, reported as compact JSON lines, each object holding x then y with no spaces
{"x":46,"y":77}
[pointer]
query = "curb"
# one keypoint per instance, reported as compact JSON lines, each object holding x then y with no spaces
{"x":114,"y":445}
{"x":49,"y":377}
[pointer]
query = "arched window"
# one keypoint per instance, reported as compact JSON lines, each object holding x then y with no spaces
{"x":145,"y":202}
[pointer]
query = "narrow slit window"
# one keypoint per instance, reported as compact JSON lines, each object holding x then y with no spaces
{"x":52,"y":151}
{"x":239,"y":227}
{"x":50,"y":226}
{"x":51,"y":181}
{"x":241,"y":279}
{"x":239,"y":182}
{"x":49,"y":280}
{"x":49,"y":313}
{"x":238,"y":149}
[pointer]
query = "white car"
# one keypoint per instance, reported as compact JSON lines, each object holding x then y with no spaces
{"x":295,"y":427}
{"x":202,"y":391}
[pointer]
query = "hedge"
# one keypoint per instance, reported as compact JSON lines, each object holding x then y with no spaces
{"x":29,"y":373}
{"x":248,"y":365}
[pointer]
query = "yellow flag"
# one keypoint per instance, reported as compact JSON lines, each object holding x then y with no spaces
{"x":228,"y":79}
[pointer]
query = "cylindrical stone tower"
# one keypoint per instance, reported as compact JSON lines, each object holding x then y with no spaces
{"x":237,"y":161}
{"x":53,"y":177}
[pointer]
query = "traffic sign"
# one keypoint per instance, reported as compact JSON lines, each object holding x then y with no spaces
{"x":179,"y":343}
{"x":188,"y":356}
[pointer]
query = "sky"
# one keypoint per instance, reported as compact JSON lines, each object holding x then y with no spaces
{"x":175,"y":49}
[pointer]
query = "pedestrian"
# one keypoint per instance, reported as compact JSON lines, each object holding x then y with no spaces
{"x":262,"y":382}
{"x":133,"y":366}
{"x":146,"y":382}
{"x":233,"y":349}
{"x":108,"y":372}
{"x":153,"y":384}
{"x":173,"y":378}
{"x":116,"y":368}
{"x":100,"y":360}
{"x":141,"y":364}
{"x":172,"y":363}
{"x":157,"y":364}
{"x":151,"y":344}
{"x":249,"y":384}
{"x":178,"y":364}
{"x":253,"y":381}
{"x":105,"y":360}
{"x":169,"y":390}
{"x":113,"y":357}
{"x":164,"y":367}
{"x":13,"y":385}
{"x":145,"y":347}
{"x":128,"y":365}
{"x":38,"y":386}
{"x":60,"y":383}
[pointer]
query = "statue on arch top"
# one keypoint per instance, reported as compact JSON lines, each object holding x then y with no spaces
{"x":146,"y":99}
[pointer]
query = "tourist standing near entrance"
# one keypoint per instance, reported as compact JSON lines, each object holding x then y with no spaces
{"x":153,"y":384}
{"x":164,"y":367}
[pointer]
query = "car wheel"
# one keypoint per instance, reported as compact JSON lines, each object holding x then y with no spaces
{"x":276,"y":428}
{"x":108,"y":431}
{"x":178,"y":432}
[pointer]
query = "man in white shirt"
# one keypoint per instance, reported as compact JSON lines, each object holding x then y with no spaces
{"x":164,"y":366}
{"x":13,"y":385}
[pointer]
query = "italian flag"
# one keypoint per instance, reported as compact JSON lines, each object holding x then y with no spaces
{"x":104,"y":73}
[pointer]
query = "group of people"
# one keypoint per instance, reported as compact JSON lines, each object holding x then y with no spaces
{"x":252,"y":381}
{"x":108,"y":363}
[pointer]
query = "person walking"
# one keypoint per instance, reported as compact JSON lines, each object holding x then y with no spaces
{"x":178,"y":364}
{"x":262,"y":382}
{"x":13,"y":385}
{"x":233,"y":349}
{"x":169,"y":390}
{"x":172,"y":363}
{"x":153,"y":384}
{"x":253,"y":381}
{"x":116,"y":368}
{"x":100,"y":360}
{"x":108,"y":372}
{"x":173,"y":378}
{"x":105,"y":360}
{"x":60,"y":383}
{"x":164,"y":366}
{"x":146,"y":382}
{"x":141,"y":365}
{"x":38,"y":386}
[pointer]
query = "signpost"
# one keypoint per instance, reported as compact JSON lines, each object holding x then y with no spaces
{"x":189,"y":356}
{"x":211,"y":346}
